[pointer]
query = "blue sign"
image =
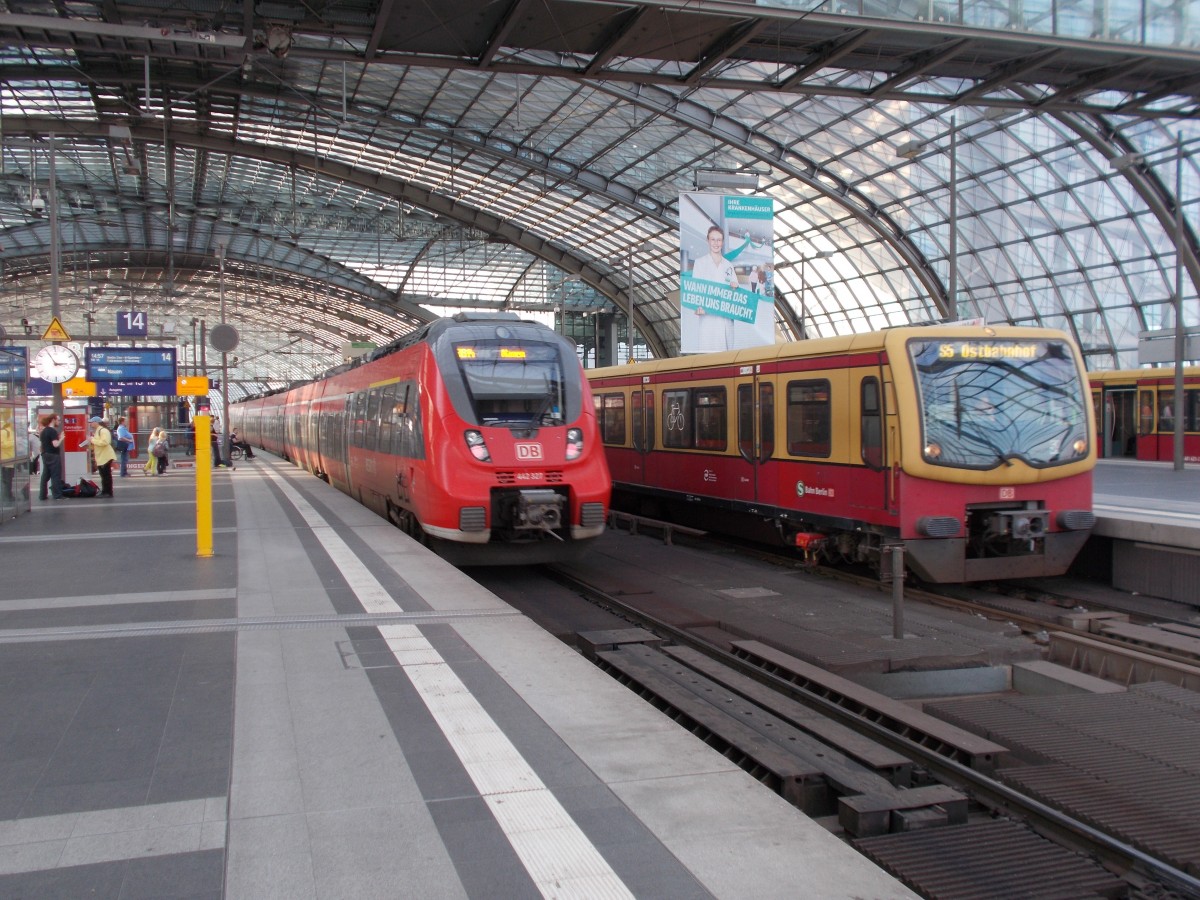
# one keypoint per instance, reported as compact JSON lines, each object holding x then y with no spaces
{"x":136,"y":388}
{"x":14,"y":363}
{"x":131,"y":323}
{"x":130,"y":364}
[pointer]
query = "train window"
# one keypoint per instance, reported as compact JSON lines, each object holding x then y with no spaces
{"x":1166,"y":410}
{"x":638,"y":422}
{"x":371,"y":437}
{"x":745,"y":420}
{"x":711,"y":419}
{"x":871,"y":424}
{"x":766,"y":423}
{"x":1146,"y":413}
{"x":359,"y":413}
{"x":611,"y":415}
{"x":1191,"y":410}
{"x":808,"y":418}
{"x":387,"y":428}
{"x":677,"y":419}
{"x":648,"y":406}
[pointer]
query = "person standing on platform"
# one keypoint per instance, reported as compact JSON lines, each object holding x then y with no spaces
{"x":161,"y":452}
{"x":101,"y":442}
{"x":218,"y":461}
{"x":151,"y":459}
{"x":8,"y":451}
{"x":51,"y":458}
{"x":125,"y":440}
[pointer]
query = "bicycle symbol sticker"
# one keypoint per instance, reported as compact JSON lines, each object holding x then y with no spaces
{"x":675,"y":418}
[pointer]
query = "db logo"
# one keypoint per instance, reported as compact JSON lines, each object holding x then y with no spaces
{"x":1007,"y":493}
{"x":529,"y":451}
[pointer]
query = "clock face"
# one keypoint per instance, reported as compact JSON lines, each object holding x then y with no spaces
{"x":56,"y":363}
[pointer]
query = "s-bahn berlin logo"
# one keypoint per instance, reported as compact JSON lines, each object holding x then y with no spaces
{"x":803,"y":490}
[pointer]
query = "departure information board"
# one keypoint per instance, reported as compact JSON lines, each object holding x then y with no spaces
{"x":130,"y":363}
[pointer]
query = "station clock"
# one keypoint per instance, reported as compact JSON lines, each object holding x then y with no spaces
{"x":56,"y":363}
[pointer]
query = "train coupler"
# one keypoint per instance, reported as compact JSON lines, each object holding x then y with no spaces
{"x":810,"y":543}
{"x":540,"y":510}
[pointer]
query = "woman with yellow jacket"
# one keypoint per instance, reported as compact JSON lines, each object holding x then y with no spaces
{"x":103,"y":452}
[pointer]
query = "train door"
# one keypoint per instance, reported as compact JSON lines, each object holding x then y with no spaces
{"x":642,"y":421}
{"x":755,"y":434}
{"x":1119,"y":422}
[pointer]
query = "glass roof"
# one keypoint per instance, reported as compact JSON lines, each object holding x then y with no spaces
{"x":333,"y":193}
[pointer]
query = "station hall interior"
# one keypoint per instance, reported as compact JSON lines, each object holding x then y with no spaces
{"x":325,"y":178}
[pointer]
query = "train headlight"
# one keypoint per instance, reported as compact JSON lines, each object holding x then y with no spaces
{"x":477,"y":446}
{"x":933,"y":450}
{"x":574,"y":443}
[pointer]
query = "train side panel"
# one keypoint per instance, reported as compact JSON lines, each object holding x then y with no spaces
{"x":839,"y":447}
{"x":1135,"y":413}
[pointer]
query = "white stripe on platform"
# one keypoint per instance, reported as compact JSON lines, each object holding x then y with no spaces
{"x":558,"y":856}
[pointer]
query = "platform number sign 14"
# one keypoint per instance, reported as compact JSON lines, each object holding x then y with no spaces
{"x":131,"y":323}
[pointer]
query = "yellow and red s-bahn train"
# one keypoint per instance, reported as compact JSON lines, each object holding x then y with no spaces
{"x":475,"y":434}
{"x":971,"y":446}
{"x":1135,"y":412}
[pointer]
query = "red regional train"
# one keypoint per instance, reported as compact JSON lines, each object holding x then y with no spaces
{"x":1135,"y":413}
{"x":971,"y":446}
{"x":475,"y":434}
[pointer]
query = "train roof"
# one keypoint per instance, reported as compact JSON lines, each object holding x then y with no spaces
{"x":867,"y":342}
{"x":426,"y":332}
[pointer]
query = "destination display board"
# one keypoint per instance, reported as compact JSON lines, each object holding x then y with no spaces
{"x":130,"y":364}
{"x":14,"y":363}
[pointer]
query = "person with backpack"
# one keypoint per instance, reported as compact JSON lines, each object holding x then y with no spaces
{"x":159,"y":450}
{"x":101,"y":442}
{"x":151,"y":459}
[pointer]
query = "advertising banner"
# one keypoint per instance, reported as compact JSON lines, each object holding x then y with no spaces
{"x":726,"y":272}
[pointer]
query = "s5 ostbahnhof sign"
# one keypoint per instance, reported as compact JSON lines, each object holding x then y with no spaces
{"x":130,"y":363}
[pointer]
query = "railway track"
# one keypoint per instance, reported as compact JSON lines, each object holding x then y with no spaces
{"x":879,"y":775}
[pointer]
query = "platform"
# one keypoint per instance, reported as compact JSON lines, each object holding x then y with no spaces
{"x":325,"y":709}
{"x":1147,"y":530}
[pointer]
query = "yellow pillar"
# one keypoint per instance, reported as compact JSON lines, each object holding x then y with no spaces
{"x":204,"y":508}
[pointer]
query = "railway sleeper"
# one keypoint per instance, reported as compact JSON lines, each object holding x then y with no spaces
{"x":895,"y":767}
{"x":807,"y":772}
{"x":929,"y":732}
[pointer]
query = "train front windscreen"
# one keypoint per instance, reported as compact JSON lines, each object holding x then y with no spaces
{"x":986,"y":403}
{"x":512,"y":382}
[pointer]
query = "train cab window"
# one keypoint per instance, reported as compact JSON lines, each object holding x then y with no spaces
{"x":612,"y":418}
{"x":808,"y":418}
{"x":871,"y":423}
